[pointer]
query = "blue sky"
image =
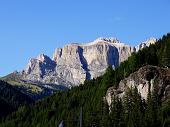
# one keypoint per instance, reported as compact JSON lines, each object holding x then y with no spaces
{"x":30,"y":27}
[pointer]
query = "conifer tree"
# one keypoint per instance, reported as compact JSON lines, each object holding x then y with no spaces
{"x":105,"y":121}
{"x":116,"y":114}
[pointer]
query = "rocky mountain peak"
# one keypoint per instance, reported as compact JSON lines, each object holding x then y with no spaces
{"x":38,"y":67}
{"x":146,"y":43}
{"x":150,"y":41}
{"x":109,"y":40}
{"x":42,"y":57}
{"x":75,"y":63}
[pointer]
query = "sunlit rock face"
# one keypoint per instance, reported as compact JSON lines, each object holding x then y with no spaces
{"x":145,"y":79}
{"x":146,"y":43}
{"x":75,"y":63}
{"x":39,"y":67}
{"x":78,"y":62}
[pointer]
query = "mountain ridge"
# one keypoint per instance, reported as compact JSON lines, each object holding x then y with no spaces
{"x":148,"y":67}
{"x":75,"y":63}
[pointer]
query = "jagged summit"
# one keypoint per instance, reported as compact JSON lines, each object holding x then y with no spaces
{"x":38,"y":68}
{"x":110,"y":40}
{"x":42,"y":57}
{"x":146,"y":43}
{"x":100,"y":40}
{"x":75,"y":63}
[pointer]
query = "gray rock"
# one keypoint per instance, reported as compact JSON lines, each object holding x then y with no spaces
{"x":37,"y":69}
{"x":75,"y":63}
{"x":145,"y":79}
{"x":79,"y":62}
{"x":146,"y":43}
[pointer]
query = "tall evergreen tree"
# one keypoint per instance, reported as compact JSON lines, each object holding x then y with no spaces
{"x":116,"y":114}
{"x":104,"y":116}
{"x":138,"y":108}
{"x":133,"y":106}
{"x":152,"y":109}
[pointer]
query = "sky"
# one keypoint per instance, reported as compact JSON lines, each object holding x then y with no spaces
{"x":31,"y":27}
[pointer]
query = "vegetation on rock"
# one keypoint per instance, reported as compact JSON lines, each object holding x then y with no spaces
{"x":130,"y":111}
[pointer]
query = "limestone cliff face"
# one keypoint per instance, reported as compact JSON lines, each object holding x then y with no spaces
{"x":78,"y":62}
{"x":38,"y":68}
{"x":145,"y":79}
{"x":75,"y":63}
{"x":42,"y":70}
{"x":70,"y":66}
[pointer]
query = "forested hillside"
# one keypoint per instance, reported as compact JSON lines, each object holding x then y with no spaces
{"x":11,"y":99}
{"x":130,"y":111}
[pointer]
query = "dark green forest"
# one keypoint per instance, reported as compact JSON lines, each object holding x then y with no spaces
{"x":11,"y":99}
{"x":130,"y":111}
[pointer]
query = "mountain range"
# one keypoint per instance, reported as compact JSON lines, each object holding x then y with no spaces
{"x":132,"y":87}
{"x":71,"y":66}
{"x":75,"y":63}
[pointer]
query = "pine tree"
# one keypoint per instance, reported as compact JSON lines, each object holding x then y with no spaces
{"x":104,"y":122}
{"x":152,"y":109}
{"x":116,"y":115}
{"x":138,"y":108}
{"x":133,"y":107}
{"x":164,"y":53}
{"x":127,"y":103}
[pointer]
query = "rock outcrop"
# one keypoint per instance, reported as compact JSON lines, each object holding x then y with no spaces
{"x":78,"y":62}
{"x":75,"y":63}
{"x":145,"y":79}
{"x":38,"y":68}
